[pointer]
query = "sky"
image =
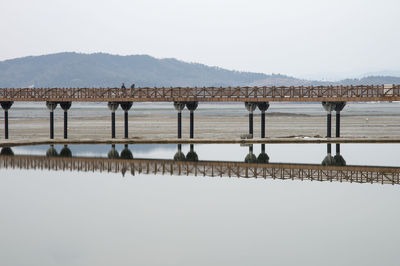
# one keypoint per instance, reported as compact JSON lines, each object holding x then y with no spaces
{"x":303,"y":38}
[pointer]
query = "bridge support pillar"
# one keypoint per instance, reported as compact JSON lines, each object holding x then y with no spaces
{"x":263,"y":106}
{"x":192,"y":106}
{"x":329,"y":125}
{"x":65,"y":106}
{"x":338,"y":107}
{"x":6,"y":106}
{"x":250,"y":106}
{"x":329,"y":107}
{"x":126,"y":106}
{"x":113,"y":106}
{"x":51,"y":106}
{"x":179,"y":106}
{"x":338,"y":124}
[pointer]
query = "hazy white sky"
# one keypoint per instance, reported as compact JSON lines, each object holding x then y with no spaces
{"x":304,"y":38}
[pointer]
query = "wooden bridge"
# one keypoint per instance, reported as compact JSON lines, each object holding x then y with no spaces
{"x":206,"y":94}
{"x":310,"y":172}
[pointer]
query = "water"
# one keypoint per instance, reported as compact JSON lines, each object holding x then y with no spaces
{"x":68,"y":217}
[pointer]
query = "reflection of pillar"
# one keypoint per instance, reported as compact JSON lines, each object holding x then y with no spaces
{"x":179,"y":155}
{"x":329,"y":148}
{"x":65,"y":152}
{"x":338,"y":159}
{"x":263,"y":106}
{"x":191,"y":106}
{"x":51,"y":152}
{"x":179,"y":106}
{"x":126,"y":106}
{"x":328,"y":160}
{"x":250,"y":157}
{"x":263,"y":157}
{"x":51,"y":106}
{"x":6,"y":151}
{"x":113,"y":154}
{"x":6,"y":106}
{"x":126,"y":153}
{"x":250,"y":106}
{"x":192,"y":155}
{"x":337,"y":148}
{"x":113,"y":106}
{"x":65,"y":106}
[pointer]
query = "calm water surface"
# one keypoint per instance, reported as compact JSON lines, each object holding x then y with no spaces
{"x":93,"y":218}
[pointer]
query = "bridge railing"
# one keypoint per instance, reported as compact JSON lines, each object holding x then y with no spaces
{"x":197,"y":93}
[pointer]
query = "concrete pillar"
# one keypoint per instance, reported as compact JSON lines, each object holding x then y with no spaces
{"x":338,"y":124}
{"x":51,"y":106}
{"x":329,"y":107}
{"x":263,"y":106}
{"x":192,"y":107}
{"x":6,"y":106}
{"x":338,"y":107}
{"x":126,"y":106}
{"x":329,"y":125}
{"x":113,"y":106}
{"x":65,"y":106}
{"x":250,"y":106}
{"x":179,"y":106}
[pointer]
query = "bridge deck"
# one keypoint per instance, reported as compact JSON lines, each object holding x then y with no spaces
{"x":208,"y":94}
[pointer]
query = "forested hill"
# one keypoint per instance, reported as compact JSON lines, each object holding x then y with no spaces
{"x":105,"y":70}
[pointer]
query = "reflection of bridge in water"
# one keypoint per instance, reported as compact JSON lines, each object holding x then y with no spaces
{"x":181,"y":166}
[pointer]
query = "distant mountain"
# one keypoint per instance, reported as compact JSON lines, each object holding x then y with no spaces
{"x":105,"y":70}
{"x":371,"y":80}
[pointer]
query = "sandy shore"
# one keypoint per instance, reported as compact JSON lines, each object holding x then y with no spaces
{"x":220,"y":126}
